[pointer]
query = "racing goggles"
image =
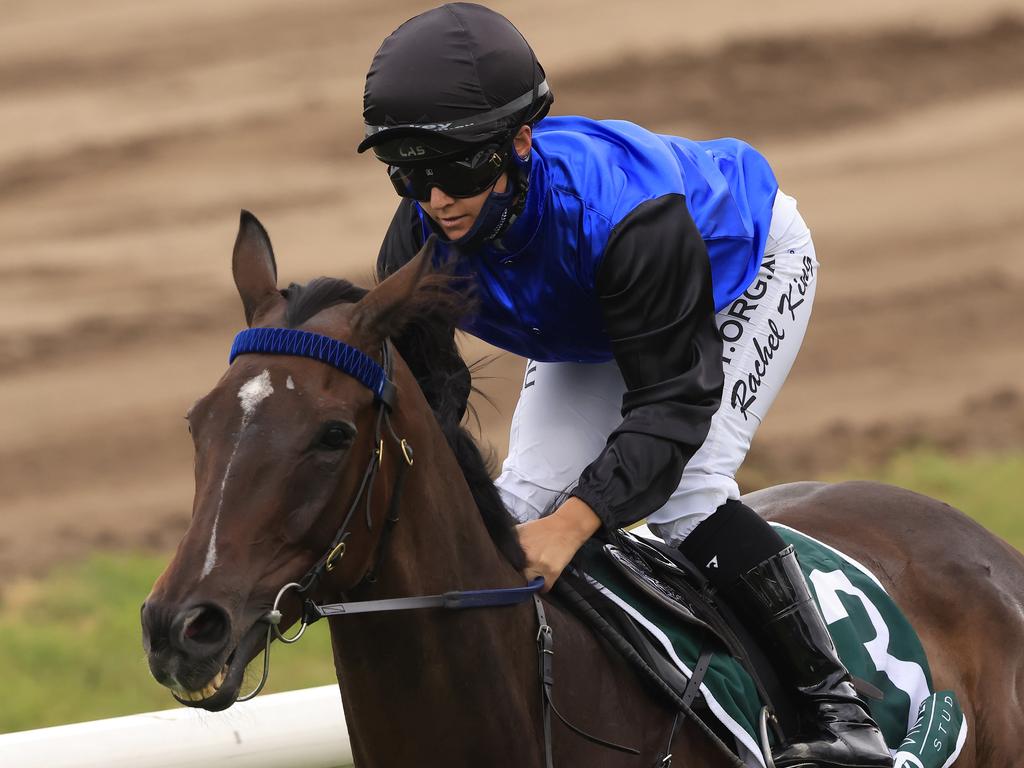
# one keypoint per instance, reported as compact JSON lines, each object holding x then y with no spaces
{"x":467,"y":177}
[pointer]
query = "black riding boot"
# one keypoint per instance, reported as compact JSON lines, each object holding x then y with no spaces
{"x":775,"y":596}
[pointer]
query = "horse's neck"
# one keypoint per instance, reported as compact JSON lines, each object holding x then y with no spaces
{"x":438,"y":688}
{"x":440,"y":542}
{"x":431,"y":669}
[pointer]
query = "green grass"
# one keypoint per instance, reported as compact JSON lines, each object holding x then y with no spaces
{"x":71,"y":647}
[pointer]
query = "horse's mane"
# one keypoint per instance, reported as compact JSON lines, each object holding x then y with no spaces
{"x":427,"y":344}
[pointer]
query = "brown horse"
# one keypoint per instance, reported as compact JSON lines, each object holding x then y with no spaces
{"x":285,"y":446}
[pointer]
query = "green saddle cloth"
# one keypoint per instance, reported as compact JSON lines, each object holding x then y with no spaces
{"x":923,"y":728}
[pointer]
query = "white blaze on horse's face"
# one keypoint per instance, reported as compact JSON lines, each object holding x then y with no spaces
{"x":289,"y":383}
{"x":253,"y":392}
{"x":250,"y":395}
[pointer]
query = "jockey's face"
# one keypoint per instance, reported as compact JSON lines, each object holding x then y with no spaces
{"x":456,"y":215}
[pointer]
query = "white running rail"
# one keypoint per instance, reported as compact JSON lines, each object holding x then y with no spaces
{"x":298,"y":729}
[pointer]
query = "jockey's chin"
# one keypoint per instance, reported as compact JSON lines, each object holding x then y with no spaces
{"x":455,"y":226}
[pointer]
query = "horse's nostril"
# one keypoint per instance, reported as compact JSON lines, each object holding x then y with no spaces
{"x":203,"y":625}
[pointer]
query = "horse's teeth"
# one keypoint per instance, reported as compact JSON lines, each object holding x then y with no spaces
{"x":208,"y":690}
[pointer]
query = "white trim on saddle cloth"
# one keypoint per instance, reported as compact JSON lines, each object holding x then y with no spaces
{"x":961,"y":739}
{"x":737,"y":730}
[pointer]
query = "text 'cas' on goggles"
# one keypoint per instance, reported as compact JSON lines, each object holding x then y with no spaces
{"x":457,"y":174}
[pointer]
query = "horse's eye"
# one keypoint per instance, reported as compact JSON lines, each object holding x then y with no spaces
{"x":336,"y":435}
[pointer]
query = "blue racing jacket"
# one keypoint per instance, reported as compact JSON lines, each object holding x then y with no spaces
{"x":627,"y":244}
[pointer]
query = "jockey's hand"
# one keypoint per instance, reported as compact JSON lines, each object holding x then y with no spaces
{"x":552,"y":541}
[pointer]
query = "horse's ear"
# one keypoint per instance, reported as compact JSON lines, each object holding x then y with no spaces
{"x":384,"y":310}
{"x":254,"y":268}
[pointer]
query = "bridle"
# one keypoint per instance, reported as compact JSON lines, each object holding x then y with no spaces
{"x":377,"y":377}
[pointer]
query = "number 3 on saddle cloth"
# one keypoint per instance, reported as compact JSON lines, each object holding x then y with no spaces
{"x":923,"y":728}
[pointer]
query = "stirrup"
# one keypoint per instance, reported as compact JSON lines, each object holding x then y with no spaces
{"x":766,"y":747}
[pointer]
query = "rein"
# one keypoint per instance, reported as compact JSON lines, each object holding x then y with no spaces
{"x":377,"y":378}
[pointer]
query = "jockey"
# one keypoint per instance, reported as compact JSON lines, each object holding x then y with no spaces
{"x":659,"y":288}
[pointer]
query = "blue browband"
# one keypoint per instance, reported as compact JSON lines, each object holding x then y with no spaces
{"x":288,"y":341}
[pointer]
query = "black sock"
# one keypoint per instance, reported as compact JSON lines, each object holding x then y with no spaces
{"x":731,"y":542}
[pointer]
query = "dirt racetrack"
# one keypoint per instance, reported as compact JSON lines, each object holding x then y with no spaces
{"x":131,"y":134}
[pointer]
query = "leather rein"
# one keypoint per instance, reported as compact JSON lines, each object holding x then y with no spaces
{"x":377,"y":377}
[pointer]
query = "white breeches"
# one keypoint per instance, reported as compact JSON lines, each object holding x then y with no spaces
{"x":567,"y":410}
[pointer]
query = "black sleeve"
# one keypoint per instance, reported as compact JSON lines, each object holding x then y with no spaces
{"x":428,"y":348}
{"x":654,"y":284}
{"x":402,"y":240}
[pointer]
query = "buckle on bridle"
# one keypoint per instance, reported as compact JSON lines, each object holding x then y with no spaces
{"x":336,"y":554}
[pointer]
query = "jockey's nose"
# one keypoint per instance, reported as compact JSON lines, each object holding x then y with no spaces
{"x":439,"y":198}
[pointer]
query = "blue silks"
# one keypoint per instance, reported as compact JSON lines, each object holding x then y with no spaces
{"x":536,"y":284}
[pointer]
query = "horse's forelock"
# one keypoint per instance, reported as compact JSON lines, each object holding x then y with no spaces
{"x":306,"y":301}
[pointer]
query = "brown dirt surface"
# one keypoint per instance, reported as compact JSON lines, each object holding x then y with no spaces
{"x":132,"y":133}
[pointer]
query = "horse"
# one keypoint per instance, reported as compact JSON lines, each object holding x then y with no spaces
{"x":302,"y":468}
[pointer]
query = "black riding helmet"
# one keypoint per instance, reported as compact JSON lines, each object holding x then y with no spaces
{"x":448,"y":81}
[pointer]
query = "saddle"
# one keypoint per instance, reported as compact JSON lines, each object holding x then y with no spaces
{"x":650,"y":605}
{"x":673,"y":584}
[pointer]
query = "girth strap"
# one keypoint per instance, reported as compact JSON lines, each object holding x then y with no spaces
{"x":700,"y":669}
